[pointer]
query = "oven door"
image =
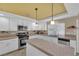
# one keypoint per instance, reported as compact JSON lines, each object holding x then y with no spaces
{"x":22,"y":43}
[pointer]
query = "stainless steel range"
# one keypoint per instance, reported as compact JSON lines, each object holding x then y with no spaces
{"x":23,"y":37}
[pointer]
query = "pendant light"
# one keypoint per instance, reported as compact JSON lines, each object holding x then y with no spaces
{"x":36,"y":24}
{"x":52,"y":21}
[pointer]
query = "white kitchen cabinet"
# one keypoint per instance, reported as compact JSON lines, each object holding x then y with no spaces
{"x":8,"y":24}
{"x":20,"y":22}
{"x":23,"y":22}
{"x":13,"y":25}
{"x":8,"y":45}
{"x":4,"y":24}
{"x":77,"y":34}
{"x":74,"y":45}
{"x":56,"y":29}
{"x":52,"y":30}
{"x":77,"y":47}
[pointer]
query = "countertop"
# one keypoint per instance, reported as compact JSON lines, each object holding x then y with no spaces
{"x":51,"y":48}
{"x":7,"y":36}
{"x":67,"y":37}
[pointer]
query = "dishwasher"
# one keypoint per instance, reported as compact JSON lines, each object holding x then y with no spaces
{"x":64,"y":41}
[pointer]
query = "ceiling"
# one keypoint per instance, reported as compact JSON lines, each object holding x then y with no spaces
{"x":28,"y":9}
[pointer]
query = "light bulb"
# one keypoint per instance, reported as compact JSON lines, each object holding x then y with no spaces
{"x":52,"y":22}
{"x":34,"y":24}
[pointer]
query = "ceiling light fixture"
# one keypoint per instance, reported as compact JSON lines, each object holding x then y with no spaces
{"x":52,"y":21}
{"x":36,"y":24}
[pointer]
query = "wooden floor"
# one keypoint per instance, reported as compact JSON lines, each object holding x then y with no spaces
{"x":21,"y":52}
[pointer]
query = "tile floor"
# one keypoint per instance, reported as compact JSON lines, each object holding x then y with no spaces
{"x":21,"y":52}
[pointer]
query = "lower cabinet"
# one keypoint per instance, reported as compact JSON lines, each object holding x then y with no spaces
{"x":77,"y":46}
{"x":73,"y":44}
{"x":8,"y":45}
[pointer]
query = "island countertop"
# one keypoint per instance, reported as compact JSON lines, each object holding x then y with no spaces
{"x":51,"y":48}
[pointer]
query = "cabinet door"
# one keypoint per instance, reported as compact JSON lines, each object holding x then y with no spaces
{"x":78,"y":47}
{"x":73,"y":44}
{"x":56,"y":29}
{"x":13,"y":44}
{"x":3,"y":47}
{"x":19,"y":21}
{"x":8,"y":45}
{"x":77,"y":34}
{"x":52,"y":30}
{"x":4,"y":24}
{"x":13,"y":25}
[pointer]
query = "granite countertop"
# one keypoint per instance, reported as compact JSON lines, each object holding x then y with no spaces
{"x":7,"y":36}
{"x":51,"y":48}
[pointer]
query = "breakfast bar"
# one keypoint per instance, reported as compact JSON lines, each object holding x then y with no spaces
{"x":39,"y":47}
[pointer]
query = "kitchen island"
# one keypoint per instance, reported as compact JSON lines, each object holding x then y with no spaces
{"x":69,"y":40}
{"x":54,"y":38}
{"x":39,"y":47}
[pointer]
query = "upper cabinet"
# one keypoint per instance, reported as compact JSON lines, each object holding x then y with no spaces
{"x":13,"y":24}
{"x":56,"y":29}
{"x":10,"y":22}
{"x":4,"y":24}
